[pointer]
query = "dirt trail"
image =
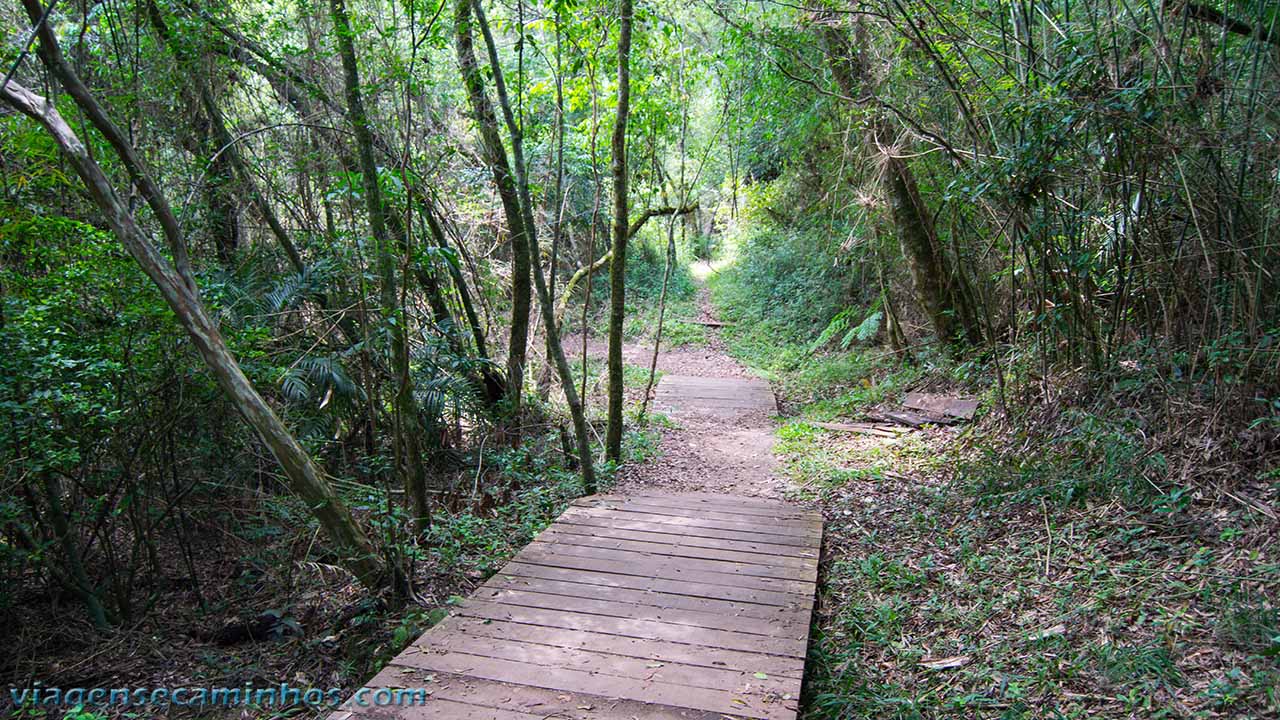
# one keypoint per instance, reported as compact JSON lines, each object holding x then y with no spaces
{"x":703,"y":449}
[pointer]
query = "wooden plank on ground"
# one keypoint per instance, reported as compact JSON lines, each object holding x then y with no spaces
{"x":761,"y":521}
{"x":704,"y":538}
{"x":773,"y":532}
{"x":652,"y":598}
{"x":644,"y":557}
{"x":562,"y":535}
{"x":660,"y":606}
{"x":652,"y":650}
{"x":883,"y":430}
{"x":636,"y":611}
{"x":951,"y":406}
{"x":779,"y":510}
{"x":640,"y":582}
{"x":543,"y":704}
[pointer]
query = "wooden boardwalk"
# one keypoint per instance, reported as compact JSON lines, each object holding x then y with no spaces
{"x":714,"y":396}
{"x":652,"y":606}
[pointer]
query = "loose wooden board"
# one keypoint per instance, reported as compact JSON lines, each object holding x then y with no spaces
{"x":942,"y":406}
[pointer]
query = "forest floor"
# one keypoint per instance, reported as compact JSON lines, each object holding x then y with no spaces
{"x":964,"y":573}
{"x":1095,"y":555}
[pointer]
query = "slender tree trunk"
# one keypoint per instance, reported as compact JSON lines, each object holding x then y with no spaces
{"x":296,"y":91}
{"x":305,"y":477}
{"x":224,"y":213}
{"x":555,"y":348}
{"x":937,"y":284}
{"x":76,"y":575}
{"x":495,"y":155}
{"x":618,"y":264}
{"x":408,"y":424}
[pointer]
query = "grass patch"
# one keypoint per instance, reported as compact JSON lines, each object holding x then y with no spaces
{"x":1057,"y":565}
{"x":963,"y":581}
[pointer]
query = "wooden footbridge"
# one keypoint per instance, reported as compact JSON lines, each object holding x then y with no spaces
{"x":652,"y":606}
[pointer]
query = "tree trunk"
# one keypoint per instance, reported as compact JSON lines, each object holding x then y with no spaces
{"x":305,"y":477}
{"x":555,"y":348}
{"x":495,"y":155}
{"x":938,"y":286}
{"x":408,"y":428}
{"x":589,"y":269}
{"x":223,"y":212}
{"x":618,"y":264}
{"x":296,"y":91}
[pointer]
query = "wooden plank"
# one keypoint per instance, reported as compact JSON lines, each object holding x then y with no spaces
{"x":640,"y":629}
{"x":631,"y":522}
{"x":772,"y":533}
{"x":673,"y":673}
{"x":644,"y":649}
{"x":545,"y":704}
{"x":768,"y":613}
{"x":688,"y":500}
{"x":752,"y":702}
{"x":688,"y":392}
{"x":604,"y":528}
{"x":535,"y":555}
{"x":907,"y":417}
{"x":948,"y":406}
{"x":562,"y":534}
{"x":713,"y":499}
{"x":751,"y":523}
{"x":730,"y":567}
{"x":763,"y":522}
{"x":641,"y":582}
{"x":722,"y":382}
{"x":435,"y":709}
{"x":769,"y":509}
{"x":683,"y":401}
{"x":791,"y":627}
{"x":881,"y":430}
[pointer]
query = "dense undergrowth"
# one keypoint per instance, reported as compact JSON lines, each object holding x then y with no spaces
{"x":1093,"y":546}
{"x":324,"y":632}
{"x":245,"y":555}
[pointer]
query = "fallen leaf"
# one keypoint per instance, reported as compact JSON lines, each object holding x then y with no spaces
{"x":1048,"y":632}
{"x":946,"y":663}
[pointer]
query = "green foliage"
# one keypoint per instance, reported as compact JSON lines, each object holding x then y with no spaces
{"x":529,"y":487}
{"x":843,"y":325}
{"x":785,"y":282}
{"x":1093,"y":456}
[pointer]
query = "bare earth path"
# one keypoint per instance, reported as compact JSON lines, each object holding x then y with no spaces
{"x":685,"y":594}
{"x":721,"y":437}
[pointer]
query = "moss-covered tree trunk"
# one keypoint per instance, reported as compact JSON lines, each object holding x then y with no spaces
{"x":408,"y":427}
{"x":618,"y":263}
{"x":555,"y":350}
{"x":939,"y":288}
{"x":495,"y":156}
